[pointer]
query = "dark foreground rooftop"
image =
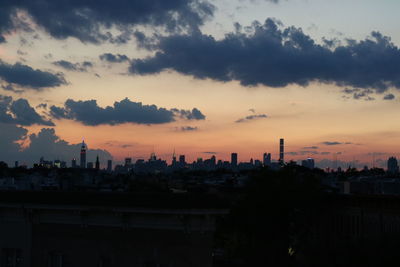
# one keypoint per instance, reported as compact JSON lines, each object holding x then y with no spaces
{"x":109,"y":199}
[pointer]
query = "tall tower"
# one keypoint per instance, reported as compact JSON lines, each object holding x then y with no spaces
{"x":281,"y":151}
{"x":97,"y":163}
{"x":173,"y":159}
{"x":83,"y":155}
{"x":234,"y":159}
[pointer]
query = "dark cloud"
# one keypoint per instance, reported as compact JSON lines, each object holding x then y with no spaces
{"x":24,"y":76}
{"x":331,"y":143}
{"x":9,"y":87}
{"x":193,"y":114}
{"x":48,"y":143}
{"x":359,"y":93}
{"x":275,"y":56}
{"x":188,"y":129}
{"x":145,"y":42}
{"x":59,"y":113}
{"x":118,"y":144}
{"x":335,"y":143}
{"x":9,"y":135}
{"x":80,"y":67}
{"x":42,"y":105}
{"x":89,"y":20}
{"x":251,"y":117}
{"x":20,"y":112}
{"x":303,"y":153}
{"x":310,"y":147}
{"x":125,"y":111}
{"x":113,"y":58}
{"x":389,"y":97}
{"x":44,"y":144}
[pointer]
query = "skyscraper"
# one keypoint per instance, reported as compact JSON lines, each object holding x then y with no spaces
{"x":281,"y":151}
{"x":83,"y":155}
{"x":392,"y":165}
{"x":234,"y":159}
{"x":97,"y":163}
{"x":109,"y":165}
{"x":308,"y":163}
{"x":182,"y":160}
{"x":73,"y":163}
{"x":267,"y":159}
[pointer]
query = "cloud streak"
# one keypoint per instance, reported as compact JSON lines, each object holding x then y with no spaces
{"x":251,"y":118}
{"x":113,"y":58}
{"x":335,"y":143}
{"x":79,"y":67}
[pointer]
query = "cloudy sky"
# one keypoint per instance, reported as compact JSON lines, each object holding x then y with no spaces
{"x":199,"y":76}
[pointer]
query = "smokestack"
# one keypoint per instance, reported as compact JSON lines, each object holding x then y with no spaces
{"x":281,"y":151}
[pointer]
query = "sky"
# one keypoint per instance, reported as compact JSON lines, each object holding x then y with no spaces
{"x":201,"y":78}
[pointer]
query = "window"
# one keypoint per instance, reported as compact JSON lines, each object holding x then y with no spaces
{"x":11,"y":257}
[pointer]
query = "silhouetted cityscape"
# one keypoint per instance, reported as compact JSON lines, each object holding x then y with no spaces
{"x":199,"y":133}
{"x":154,"y":164}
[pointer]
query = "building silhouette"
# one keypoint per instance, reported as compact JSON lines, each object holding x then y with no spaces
{"x":83,"y":155}
{"x":267,"y":159}
{"x":97,"y":163}
{"x":174,"y":162}
{"x":281,"y":151}
{"x":234,"y":159}
{"x":73,"y":163}
{"x":182,"y":160}
{"x":114,"y":230}
{"x":308,"y":163}
{"x":109,"y":165}
{"x":392,"y":165}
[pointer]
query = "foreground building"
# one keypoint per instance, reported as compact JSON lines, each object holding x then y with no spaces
{"x":106,"y":229}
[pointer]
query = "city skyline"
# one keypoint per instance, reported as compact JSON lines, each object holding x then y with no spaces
{"x":229,"y":76}
{"x":266,"y":159}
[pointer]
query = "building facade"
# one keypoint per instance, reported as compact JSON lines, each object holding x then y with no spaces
{"x":62,"y":232}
